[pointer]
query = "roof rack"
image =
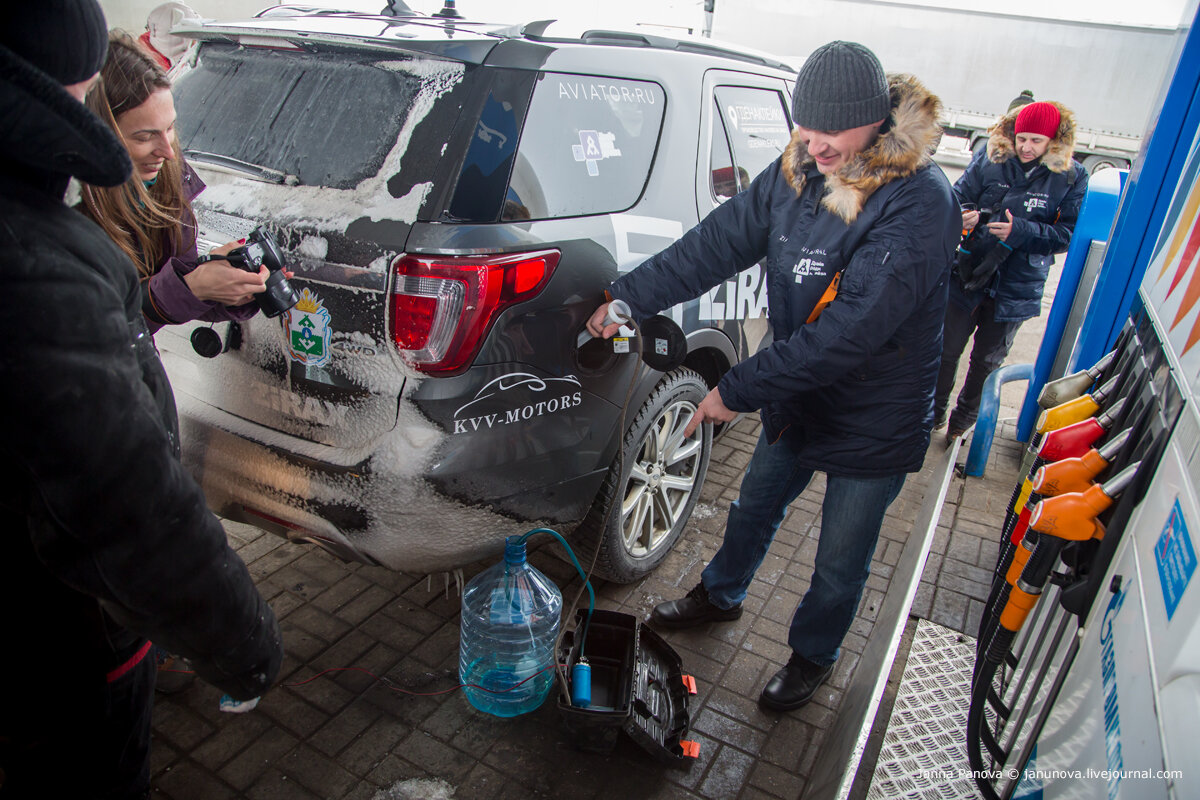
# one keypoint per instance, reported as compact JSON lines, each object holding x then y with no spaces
{"x":535,"y":31}
{"x":299,"y":9}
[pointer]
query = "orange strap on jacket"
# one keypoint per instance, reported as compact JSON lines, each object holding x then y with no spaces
{"x":830,"y":292}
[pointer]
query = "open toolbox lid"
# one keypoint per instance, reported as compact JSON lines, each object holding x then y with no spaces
{"x":638,"y":686}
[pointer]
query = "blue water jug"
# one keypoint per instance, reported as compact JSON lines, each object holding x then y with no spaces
{"x":510,"y":618}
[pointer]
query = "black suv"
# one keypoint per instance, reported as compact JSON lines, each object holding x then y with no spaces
{"x":453,"y":198}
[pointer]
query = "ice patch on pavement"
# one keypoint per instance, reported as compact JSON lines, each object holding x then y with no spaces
{"x":704,"y":511}
{"x":232,"y":706}
{"x":417,"y":789}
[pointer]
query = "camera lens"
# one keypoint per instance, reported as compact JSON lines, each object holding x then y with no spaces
{"x":279,"y":296}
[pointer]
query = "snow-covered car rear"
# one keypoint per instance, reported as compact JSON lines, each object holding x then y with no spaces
{"x":453,"y":198}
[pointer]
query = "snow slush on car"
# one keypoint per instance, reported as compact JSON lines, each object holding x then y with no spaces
{"x":452,"y":198}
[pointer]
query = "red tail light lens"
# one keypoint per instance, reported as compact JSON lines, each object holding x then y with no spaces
{"x":443,"y":306}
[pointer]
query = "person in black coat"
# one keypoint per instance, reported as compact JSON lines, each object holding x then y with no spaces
{"x":855,"y":206}
{"x":1032,"y":189}
{"x":108,"y":541}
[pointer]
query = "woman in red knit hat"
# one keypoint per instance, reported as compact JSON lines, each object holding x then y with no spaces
{"x":1020,"y":200}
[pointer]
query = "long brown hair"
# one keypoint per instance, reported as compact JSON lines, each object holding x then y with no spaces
{"x":145,"y":222}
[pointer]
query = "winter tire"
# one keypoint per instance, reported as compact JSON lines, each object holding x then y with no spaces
{"x":1095,"y":163}
{"x":658,"y":487}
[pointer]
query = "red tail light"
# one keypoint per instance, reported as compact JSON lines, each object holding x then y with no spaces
{"x":444,"y":306}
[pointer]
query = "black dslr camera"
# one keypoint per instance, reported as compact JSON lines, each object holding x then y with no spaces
{"x":261,"y":250}
{"x":979,"y":255}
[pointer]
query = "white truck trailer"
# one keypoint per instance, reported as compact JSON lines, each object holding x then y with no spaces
{"x":1107,"y":68}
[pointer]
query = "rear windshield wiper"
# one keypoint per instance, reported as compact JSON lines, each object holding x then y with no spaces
{"x":231,"y":164}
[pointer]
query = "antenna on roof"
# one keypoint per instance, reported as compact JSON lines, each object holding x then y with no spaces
{"x":448,"y":11}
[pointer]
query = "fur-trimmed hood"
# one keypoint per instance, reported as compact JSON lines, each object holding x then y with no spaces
{"x":905,"y":145}
{"x":1002,"y":140}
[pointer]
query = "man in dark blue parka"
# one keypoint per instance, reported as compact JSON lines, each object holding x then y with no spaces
{"x":1033,"y":189}
{"x":854,"y":204}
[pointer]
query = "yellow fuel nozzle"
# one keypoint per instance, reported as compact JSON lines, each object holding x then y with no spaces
{"x":1059,"y":391}
{"x":1077,"y":474}
{"x":1075,"y":410}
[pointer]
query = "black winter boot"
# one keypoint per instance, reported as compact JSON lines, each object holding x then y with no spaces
{"x":694,"y":609}
{"x":794,"y":685}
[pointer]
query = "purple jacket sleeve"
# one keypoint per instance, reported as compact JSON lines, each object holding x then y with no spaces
{"x":172,"y":302}
{"x":166,"y":298}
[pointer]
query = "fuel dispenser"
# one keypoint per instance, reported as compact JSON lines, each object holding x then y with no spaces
{"x":1051,"y":669}
{"x":1087,"y":679}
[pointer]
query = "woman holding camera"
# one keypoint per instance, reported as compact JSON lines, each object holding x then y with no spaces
{"x":1024,"y":193}
{"x":150,"y":216}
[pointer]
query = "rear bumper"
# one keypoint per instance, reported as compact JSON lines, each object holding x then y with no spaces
{"x":381,"y":509}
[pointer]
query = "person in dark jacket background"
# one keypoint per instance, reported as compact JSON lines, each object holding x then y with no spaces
{"x":150,"y":217}
{"x":1032,"y":188}
{"x":855,"y":203}
{"x":108,"y":541}
{"x":1023,"y":99}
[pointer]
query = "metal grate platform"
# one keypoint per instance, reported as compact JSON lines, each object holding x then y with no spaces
{"x":923,"y":755}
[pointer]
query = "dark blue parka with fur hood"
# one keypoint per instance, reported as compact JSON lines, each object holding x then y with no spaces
{"x":1044,"y":206}
{"x":858,"y":381}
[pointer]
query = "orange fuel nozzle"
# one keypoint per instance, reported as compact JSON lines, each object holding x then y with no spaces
{"x":1056,"y":521}
{"x":1072,"y":517}
{"x":1075,"y":410}
{"x":1069,"y":442}
{"x":1070,"y":473}
{"x":1077,"y":474}
{"x":1069,"y":387}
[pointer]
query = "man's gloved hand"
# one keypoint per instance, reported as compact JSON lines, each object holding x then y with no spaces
{"x":982,"y":273}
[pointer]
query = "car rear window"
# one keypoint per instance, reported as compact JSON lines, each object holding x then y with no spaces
{"x":586,"y":147}
{"x":328,"y":118}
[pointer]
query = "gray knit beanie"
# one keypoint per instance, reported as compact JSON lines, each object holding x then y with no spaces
{"x":840,"y":86}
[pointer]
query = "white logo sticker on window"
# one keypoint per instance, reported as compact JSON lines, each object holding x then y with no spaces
{"x":593,"y":147}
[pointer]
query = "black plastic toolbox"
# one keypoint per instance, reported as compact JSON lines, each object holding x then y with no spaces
{"x":638,"y":686}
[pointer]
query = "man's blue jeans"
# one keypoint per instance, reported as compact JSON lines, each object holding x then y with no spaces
{"x":851,"y":516}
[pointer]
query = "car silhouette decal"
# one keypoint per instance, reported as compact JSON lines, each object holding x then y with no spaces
{"x":520,"y":413}
{"x":512,"y":380}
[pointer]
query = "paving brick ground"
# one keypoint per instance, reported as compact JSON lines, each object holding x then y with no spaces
{"x":347,"y":735}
